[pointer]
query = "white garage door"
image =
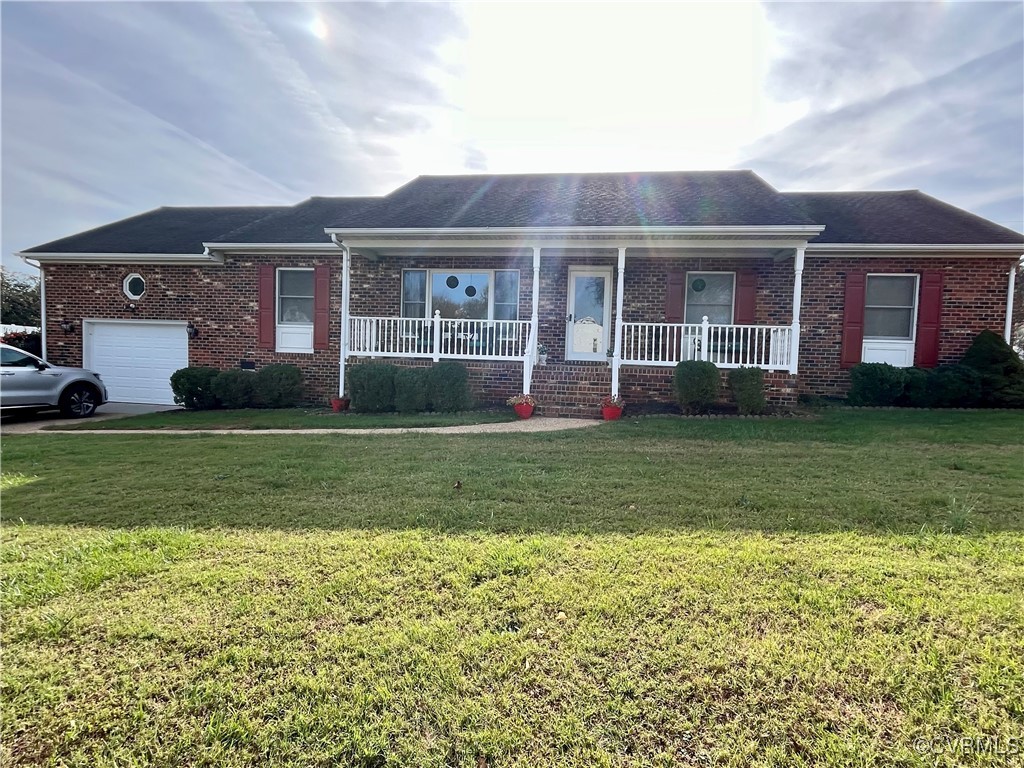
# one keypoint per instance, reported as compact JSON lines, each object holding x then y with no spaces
{"x":135,"y":359}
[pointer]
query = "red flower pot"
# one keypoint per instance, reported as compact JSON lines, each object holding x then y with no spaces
{"x":611,"y":412}
{"x":339,"y":404}
{"x":523,"y":410}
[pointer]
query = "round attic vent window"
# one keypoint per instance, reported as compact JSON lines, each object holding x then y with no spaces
{"x":134,"y":286}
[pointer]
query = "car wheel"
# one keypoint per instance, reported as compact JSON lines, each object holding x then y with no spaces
{"x":79,"y":401}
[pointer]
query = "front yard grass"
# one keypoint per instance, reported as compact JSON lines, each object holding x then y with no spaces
{"x":288,"y":418}
{"x":652,"y":592}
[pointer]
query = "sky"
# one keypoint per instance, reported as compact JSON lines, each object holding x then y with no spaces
{"x":113,"y":108}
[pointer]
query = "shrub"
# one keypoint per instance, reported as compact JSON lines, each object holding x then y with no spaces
{"x":876,"y":384}
{"x":1000,"y":370}
{"x":696,"y":384}
{"x":234,"y":388}
{"x":192,"y":387}
{"x":372,"y":387}
{"x":27,"y":341}
{"x":411,"y":390}
{"x":915,"y":388}
{"x":448,"y":387}
{"x":747,"y":385}
{"x":953,"y":386}
{"x":278,"y":386}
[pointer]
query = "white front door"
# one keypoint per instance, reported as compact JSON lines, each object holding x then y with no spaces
{"x":136,"y":358}
{"x":589,"y":318}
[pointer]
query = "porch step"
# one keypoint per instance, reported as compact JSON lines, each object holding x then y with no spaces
{"x":571,"y":390}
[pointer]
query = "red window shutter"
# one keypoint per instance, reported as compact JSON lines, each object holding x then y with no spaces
{"x":266,"y":307}
{"x":929,"y":320}
{"x":746,"y":297}
{"x":853,"y":320}
{"x":674,"y":297}
{"x":321,"y":305}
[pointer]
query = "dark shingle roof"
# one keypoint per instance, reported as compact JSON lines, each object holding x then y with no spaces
{"x":303,"y":223}
{"x":162,"y":230}
{"x":891,"y":218}
{"x":698,"y":198}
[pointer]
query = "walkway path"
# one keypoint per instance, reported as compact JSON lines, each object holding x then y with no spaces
{"x":537,"y":424}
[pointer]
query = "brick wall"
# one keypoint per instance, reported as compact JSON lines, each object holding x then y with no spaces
{"x":973,"y":299}
{"x":220,"y":300}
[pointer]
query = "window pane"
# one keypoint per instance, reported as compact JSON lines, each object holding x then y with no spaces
{"x":506,"y":287}
{"x":460,"y":294}
{"x":295,"y":311}
{"x":414,"y":286}
{"x":890,"y":291}
{"x":506,"y":312}
{"x":13,"y":358}
{"x":295,"y":283}
{"x":414,"y":309}
{"x":709,"y":293}
{"x":887,"y":323}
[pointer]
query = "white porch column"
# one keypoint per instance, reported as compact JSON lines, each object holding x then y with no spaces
{"x":1008,"y":329}
{"x":346,"y":270}
{"x":798,"y":275}
{"x":530,"y":358}
{"x":620,"y":289}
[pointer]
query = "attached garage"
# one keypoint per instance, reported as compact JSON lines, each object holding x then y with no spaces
{"x":136,"y":358}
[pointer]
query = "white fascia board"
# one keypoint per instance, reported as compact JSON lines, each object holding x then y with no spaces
{"x":922,"y":249}
{"x":272,"y":247}
{"x":414,"y":246}
{"x":122,"y":258}
{"x":522,"y":233}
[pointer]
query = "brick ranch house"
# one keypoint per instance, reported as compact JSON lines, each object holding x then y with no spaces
{"x":616,"y":276}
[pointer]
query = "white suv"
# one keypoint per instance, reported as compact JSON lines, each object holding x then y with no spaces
{"x":26,"y":382}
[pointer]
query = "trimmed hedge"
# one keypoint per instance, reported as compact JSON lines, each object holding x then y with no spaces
{"x":192,"y":387}
{"x":747,"y":386}
{"x":448,"y":388}
{"x":876,"y":384}
{"x":952,"y":386}
{"x":696,"y":384}
{"x":372,"y":387}
{"x":235,"y":388}
{"x":411,"y":389}
{"x":278,"y":386}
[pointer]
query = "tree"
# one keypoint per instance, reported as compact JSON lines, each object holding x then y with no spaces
{"x":19,"y":298}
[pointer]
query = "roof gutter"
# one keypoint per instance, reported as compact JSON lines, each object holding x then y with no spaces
{"x":519,"y":232}
{"x":184,"y":259}
{"x":919,"y":249}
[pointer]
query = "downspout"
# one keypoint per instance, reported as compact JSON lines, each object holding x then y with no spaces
{"x":1008,"y":326}
{"x":346,"y":260}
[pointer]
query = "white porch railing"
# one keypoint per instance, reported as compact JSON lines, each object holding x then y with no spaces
{"x":727,"y":346}
{"x":435,"y":338}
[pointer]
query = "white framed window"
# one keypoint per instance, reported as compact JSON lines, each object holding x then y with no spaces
{"x":467,"y":294}
{"x":295,"y":289}
{"x":134,"y":286}
{"x":890,"y":307}
{"x":712,"y":294}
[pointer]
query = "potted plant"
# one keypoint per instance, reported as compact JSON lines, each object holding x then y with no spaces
{"x":523,"y":405}
{"x":339,"y":404}
{"x":611,"y":407}
{"x":542,"y":354}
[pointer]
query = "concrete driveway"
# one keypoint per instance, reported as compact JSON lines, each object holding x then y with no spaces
{"x":24,"y":423}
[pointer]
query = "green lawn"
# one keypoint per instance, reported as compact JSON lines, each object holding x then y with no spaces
{"x":288,"y":418}
{"x":650,"y":592}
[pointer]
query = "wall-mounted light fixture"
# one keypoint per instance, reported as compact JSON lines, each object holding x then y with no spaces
{"x":67,"y":326}
{"x":191,"y":330}
{"x":131,"y":307}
